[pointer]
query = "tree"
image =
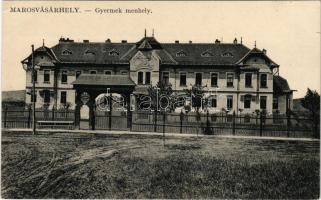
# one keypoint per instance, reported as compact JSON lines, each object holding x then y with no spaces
{"x":161,"y":94}
{"x":197,"y":94}
{"x":311,"y":101}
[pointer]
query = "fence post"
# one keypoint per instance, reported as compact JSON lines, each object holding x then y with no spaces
{"x":181,"y":122}
{"x":29,"y":116}
{"x":155,"y":120}
{"x":233,"y":122}
{"x":5,"y":116}
{"x":261,"y":123}
{"x":164,"y":119}
{"x":93,"y":119}
{"x":53,"y":114}
{"x":288,"y":124}
{"x":110,"y":110}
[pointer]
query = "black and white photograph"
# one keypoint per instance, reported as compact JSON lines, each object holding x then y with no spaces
{"x":160,"y":100}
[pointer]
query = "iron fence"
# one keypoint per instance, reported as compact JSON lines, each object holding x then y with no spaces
{"x":192,"y":123}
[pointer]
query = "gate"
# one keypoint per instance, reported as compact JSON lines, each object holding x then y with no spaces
{"x":115,"y":120}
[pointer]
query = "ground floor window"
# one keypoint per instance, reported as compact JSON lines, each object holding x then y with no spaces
{"x":229,"y":102}
{"x":263,"y":102}
{"x":275,"y":103}
{"x":63,"y":97}
{"x":46,"y":96}
{"x":247,"y":101}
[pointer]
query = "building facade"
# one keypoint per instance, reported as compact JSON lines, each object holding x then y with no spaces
{"x":233,"y":77}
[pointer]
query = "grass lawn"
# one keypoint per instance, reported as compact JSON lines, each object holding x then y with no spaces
{"x":105,"y":166}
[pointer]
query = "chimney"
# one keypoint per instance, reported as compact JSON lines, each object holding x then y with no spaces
{"x":65,"y":40}
{"x":176,"y":41}
{"x":86,"y":41}
{"x":124,"y":41}
{"x":241,"y":40}
{"x":108,"y":41}
{"x":217,"y":41}
{"x":235,"y":41}
{"x":190,"y":42}
{"x":264,"y":51}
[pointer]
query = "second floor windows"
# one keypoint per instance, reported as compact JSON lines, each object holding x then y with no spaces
{"x":140,"y":78}
{"x":107,"y":72}
{"x":64,"y":77}
{"x":147,"y":77}
{"x":182,"y":79}
{"x":263,"y":81}
{"x":214,"y":77}
{"x":248,"y":79}
{"x":198,"y":79}
{"x":165,"y":78}
{"x":93,"y":72}
{"x":46,"y":76}
{"x":229,"y":79}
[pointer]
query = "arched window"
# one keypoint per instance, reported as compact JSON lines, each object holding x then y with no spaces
{"x":113,"y":52}
{"x":181,"y":54}
{"x":207,"y":54}
{"x":227,"y":54}
{"x":66,"y":52}
{"x":89,"y":52}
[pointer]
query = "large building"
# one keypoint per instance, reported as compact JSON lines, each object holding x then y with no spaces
{"x":234,"y":77}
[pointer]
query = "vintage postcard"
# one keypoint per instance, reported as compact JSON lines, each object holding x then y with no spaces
{"x":160,"y":100}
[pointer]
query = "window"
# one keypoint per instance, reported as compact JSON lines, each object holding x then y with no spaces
{"x":198,"y":79}
{"x":263,"y":80}
{"x":229,"y":79}
{"x":63,"y":97}
{"x":248,"y":79}
{"x":227,"y":54}
{"x":64,"y":77}
{"x":214,"y":77}
{"x":207,"y":54}
{"x":66,"y":52}
{"x":263,"y":102}
{"x":247,"y":101}
{"x":93,"y":72}
{"x":213,"y":102}
{"x":46,"y":96}
{"x":165,"y":77}
{"x":147,"y":77}
{"x":229,"y":102}
{"x":89,"y":53}
{"x":78,"y":74}
{"x":140,"y":77}
{"x":181,"y":54}
{"x":275,"y":103}
{"x":113,"y":53}
{"x":46,"y":76}
{"x":33,"y":97}
{"x":35,"y":76}
{"x":107,"y":72}
{"x":182,"y":79}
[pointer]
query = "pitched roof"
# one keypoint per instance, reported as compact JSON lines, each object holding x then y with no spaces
{"x":104,"y":80}
{"x":67,"y":51}
{"x":280,"y":85}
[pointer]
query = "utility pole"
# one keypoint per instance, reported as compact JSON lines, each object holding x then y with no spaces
{"x":33,"y":92}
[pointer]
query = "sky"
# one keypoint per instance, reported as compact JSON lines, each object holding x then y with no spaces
{"x":289,"y":31}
